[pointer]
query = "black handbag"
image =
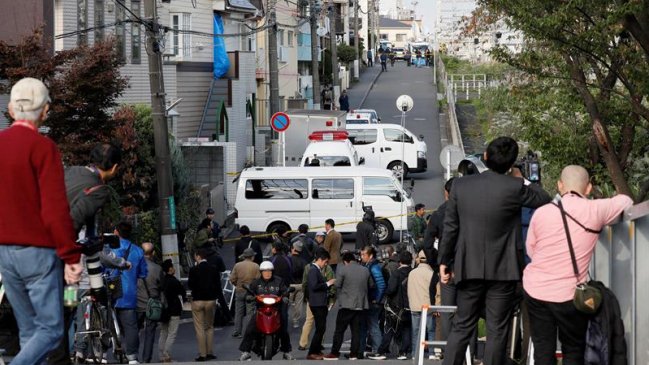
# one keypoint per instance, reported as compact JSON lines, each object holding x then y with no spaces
{"x":114,"y":285}
{"x":587,"y":298}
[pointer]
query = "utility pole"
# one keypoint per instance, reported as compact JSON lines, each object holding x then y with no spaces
{"x":356,"y":42}
{"x":334,"y":51}
{"x":315,"y":73}
{"x":272,"y":58}
{"x":168,"y":238}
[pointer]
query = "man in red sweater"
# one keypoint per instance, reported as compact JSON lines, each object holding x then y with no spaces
{"x":36,"y":233}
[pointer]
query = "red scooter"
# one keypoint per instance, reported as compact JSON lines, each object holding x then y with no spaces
{"x":268,"y":320}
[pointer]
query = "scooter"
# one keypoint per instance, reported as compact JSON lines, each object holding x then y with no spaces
{"x":268,"y":320}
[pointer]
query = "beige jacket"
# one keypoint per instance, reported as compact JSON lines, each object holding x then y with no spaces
{"x":244,"y":273}
{"x":418,"y":287}
{"x":333,"y":244}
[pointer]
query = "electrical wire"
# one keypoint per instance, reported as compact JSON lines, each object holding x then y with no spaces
{"x":81,"y":31}
{"x":137,"y":17}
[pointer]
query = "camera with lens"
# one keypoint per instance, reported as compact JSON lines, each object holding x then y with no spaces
{"x":93,"y":245}
{"x":530,"y":167}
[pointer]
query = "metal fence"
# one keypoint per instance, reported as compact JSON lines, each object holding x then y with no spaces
{"x":620,"y":263}
{"x":449,"y":89}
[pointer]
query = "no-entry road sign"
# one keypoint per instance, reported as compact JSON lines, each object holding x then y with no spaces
{"x":280,"y":122}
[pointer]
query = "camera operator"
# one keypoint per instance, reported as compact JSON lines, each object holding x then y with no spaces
{"x":365,"y":230}
{"x":87,"y":192}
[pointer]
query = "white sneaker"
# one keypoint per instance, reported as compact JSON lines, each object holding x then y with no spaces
{"x":245,"y":356}
{"x":288,"y":356}
{"x":133,"y":362}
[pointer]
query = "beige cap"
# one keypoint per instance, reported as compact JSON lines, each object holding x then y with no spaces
{"x":29,"y":94}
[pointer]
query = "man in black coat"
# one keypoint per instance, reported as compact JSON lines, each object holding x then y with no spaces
{"x":365,"y":231}
{"x":482,"y":226}
{"x":246,"y":241}
{"x":318,"y":294}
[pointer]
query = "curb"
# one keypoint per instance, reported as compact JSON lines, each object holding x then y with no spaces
{"x":360,"y":105}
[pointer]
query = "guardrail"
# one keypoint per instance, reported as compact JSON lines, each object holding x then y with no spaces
{"x":620,"y":263}
{"x":456,"y":136}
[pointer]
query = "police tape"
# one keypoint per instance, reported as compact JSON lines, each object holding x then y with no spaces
{"x":266,"y":235}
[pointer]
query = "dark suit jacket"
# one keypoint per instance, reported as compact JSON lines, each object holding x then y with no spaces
{"x":434,"y":230}
{"x":317,"y":288}
{"x":482,"y":225}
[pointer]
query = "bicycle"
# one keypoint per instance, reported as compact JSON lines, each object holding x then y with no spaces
{"x":101,"y":329}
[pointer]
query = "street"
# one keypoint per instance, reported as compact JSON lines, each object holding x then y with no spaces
{"x":423,"y":119}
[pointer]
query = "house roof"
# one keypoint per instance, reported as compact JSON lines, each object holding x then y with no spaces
{"x":392,"y":23}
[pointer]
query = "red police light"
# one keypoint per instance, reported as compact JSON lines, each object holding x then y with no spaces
{"x":329,"y":123}
{"x":328,"y":136}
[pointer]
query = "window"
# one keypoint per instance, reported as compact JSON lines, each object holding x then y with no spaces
{"x":82,"y":22}
{"x":290,"y":38}
{"x":280,"y":37}
{"x":300,"y":39}
{"x":332,"y":189}
{"x":381,"y":186}
{"x":327,"y":161}
{"x":362,"y":136}
{"x":120,"y":31}
{"x":99,"y":20}
{"x":395,"y":135}
{"x":136,"y":36}
{"x":179,"y":42}
{"x":277,"y":189}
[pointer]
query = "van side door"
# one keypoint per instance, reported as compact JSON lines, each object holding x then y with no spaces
{"x":398,"y":146}
{"x":365,"y":141}
{"x":333,"y":198}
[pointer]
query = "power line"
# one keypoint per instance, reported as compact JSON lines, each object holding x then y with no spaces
{"x":81,"y":31}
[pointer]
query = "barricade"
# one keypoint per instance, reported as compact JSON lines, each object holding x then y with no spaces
{"x":419,"y":355}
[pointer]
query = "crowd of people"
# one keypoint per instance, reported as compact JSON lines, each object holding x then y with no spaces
{"x":417,"y":57}
{"x":470,"y":253}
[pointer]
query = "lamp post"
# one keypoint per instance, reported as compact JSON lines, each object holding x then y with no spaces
{"x":404,"y":104}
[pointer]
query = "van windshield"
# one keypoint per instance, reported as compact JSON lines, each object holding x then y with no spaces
{"x":321,"y":161}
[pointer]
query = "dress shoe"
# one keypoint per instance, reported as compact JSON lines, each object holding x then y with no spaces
{"x":314,"y":357}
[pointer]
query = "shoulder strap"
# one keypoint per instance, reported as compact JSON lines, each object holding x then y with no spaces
{"x":589,"y":230}
{"x":146,"y":286}
{"x":572,"y":250}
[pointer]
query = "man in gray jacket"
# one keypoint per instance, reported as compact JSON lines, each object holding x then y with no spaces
{"x":151,"y":287}
{"x":352,"y":283}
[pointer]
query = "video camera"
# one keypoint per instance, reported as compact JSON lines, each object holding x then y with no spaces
{"x":530,"y":167}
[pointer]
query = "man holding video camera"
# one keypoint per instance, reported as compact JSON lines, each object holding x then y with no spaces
{"x":482,"y":227}
{"x":87,"y":193}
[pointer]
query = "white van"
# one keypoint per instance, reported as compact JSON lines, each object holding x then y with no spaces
{"x":272,"y":197}
{"x":385,"y":145}
{"x":361,"y":118}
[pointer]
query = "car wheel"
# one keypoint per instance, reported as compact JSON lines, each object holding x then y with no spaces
{"x":395,"y":166}
{"x":384,"y":231}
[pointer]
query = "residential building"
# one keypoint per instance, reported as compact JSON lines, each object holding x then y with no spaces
{"x":396,"y":32}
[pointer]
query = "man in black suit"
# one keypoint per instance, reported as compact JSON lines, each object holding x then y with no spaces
{"x":482,"y":226}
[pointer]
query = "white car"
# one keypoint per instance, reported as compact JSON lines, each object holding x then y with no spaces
{"x":359,"y":118}
{"x":387,"y":145}
{"x":371,"y":112}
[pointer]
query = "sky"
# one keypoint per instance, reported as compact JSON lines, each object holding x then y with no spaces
{"x":426,"y":9}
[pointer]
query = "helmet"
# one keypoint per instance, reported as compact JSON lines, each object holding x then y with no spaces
{"x":266,"y":265}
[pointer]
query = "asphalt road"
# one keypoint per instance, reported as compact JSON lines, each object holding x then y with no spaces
{"x":422,"y":119}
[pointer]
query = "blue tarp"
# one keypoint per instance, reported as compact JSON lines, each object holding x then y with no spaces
{"x":221,"y":60}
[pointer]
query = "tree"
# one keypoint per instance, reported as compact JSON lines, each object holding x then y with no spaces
{"x":346,"y":54}
{"x":598,"y":51}
{"x":84,"y":85}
